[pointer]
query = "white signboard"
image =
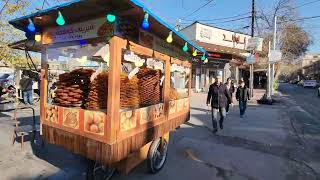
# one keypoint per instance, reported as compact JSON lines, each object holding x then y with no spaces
{"x":254,"y":43}
{"x":6,"y":70}
{"x":79,"y":31}
{"x":275,"y":55}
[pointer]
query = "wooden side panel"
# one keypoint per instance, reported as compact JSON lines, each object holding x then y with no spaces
{"x":110,"y":153}
{"x":113,"y":123}
{"x":43,"y":92}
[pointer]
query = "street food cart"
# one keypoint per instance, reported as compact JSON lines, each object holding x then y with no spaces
{"x":121,"y":78}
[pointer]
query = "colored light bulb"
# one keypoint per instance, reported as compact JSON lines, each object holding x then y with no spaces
{"x":206,"y":60}
{"x":185,"y":47}
{"x":169,"y":38}
{"x":203,"y":57}
{"x":37,"y":37}
{"x":82,"y":42}
{"x":145,"y":24}
{"x":31,"y":26}
{"x":60,"y":20}
{"x":111,"y":18}
{"x":195,"y":53}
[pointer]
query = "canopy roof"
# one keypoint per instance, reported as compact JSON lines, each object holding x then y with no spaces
{"x":77,"y":10}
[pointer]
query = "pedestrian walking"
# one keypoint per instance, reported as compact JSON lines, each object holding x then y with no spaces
{"x":26,"y":88}
{"x":242,"y":95}
{"x":230,"y":87}
{"x":219,"y":97}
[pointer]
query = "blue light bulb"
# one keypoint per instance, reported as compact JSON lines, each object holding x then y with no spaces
{"x":82,"y":42}
{"x":31,"y":26}
{"x":145,"y":24}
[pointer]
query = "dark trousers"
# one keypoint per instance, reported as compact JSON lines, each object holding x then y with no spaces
{"x":228,"y":107}
{"x":242,"y":107}
{"x":214,"y":113}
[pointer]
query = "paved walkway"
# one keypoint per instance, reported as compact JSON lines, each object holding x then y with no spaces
{"x":260,"y":146}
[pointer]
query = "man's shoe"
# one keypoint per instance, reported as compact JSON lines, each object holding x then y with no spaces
{"x":214,"y":131}
{"x":221,"y":125}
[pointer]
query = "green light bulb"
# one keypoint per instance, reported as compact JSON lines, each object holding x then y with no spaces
{"x":60,"y":20}
{"x":185,"y":47}
{"x":203,"y":57}
{"x":111,"y":18}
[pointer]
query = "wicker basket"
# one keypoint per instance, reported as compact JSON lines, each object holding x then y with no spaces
{"x":129,"y":93}
{"x":72,"y":88}
{"x":149,"y":86}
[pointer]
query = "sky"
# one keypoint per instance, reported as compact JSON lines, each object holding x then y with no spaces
{"x":172,"y":10}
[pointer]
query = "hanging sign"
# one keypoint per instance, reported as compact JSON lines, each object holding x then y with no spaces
{"x":131,"y":57}
{"x":275,"y":55}
{"x":254,"y":43}
{"x":250,"y":59}
{"x":133,"y":72}
{"x":84,"y":30}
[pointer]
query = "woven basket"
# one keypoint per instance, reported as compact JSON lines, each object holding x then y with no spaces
{"x":72,"y":88}
{"x":149,"y":86}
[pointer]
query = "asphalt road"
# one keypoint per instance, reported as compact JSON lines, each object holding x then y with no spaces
{"x":306,"y":98}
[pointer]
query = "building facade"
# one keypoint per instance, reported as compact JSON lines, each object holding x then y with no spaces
{"x":227,"y":52}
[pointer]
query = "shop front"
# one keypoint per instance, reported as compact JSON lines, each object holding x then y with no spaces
{"x":226,"y":58}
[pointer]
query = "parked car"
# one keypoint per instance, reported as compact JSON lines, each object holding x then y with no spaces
{"x":319,"y":91}
{"x":293,"y":81}
{"x":300,"y":83}
{"x":310,"y":83}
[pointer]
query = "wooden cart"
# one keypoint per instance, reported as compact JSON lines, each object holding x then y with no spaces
{"x":127,"y":136}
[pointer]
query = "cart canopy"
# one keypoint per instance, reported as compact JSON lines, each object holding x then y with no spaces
{"x":81,"y":10}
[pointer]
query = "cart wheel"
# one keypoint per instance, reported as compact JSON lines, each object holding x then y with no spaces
{"x":156,"y":158}
{"x":96,"y":171}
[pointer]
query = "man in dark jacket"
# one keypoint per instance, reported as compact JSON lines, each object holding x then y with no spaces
{"x":219,"y":96}
{"x":230,"y":87}
{"x":242,"y":96}
{"x":26,"y":88}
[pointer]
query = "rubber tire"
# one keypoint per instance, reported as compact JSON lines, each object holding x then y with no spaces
{"x":153,"y":149}
{"x":90,"y":174}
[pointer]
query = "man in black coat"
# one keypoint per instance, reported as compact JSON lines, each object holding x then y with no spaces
{"x":242,"y":96}
{"x":219,"y":96}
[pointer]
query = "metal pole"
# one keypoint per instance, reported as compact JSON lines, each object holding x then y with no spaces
{"x":274,"y":47}
{"x":268,"y":75}
{"x":252,"y":34}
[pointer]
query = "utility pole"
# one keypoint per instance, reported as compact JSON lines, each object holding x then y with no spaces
{"x":253,"y":15}
{"x":269,"y":74}
{"x":274,"y":48}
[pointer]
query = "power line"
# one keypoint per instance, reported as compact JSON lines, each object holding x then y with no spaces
{"x":230,"y":17}
{"x":302,"y":19}
{"x":238,"y":19}
{"x":5,"y":4}
{"x":198,"y":9}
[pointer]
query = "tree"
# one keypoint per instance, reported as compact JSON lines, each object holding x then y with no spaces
{"x":293,"y":40}
{"x":9,"y":34}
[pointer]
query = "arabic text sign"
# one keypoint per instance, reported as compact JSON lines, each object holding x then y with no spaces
{"x":85,"y":30}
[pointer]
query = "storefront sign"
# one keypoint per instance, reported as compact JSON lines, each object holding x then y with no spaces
{"x":206,"y":33}
{"x":84,"y":30}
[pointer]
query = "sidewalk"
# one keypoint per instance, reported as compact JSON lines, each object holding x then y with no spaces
{"x":260,"y":146}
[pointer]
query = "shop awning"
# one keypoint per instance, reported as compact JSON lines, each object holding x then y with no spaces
{"x":81,"y":10}
{"x":26,"y":45}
